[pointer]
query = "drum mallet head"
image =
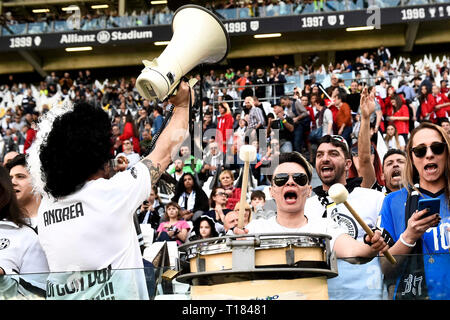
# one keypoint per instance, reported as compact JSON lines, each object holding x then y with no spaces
{"x":338,"y":193}
{"x":247,"y":153}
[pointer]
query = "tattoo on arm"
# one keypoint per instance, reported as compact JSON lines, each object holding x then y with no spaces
{"x":155,"y":171}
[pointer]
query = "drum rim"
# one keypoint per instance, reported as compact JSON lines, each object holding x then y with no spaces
{"x":184,"y":247}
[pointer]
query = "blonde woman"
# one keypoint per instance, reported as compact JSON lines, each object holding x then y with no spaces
{"x":393,"y":139}
{"x":421,"y":232}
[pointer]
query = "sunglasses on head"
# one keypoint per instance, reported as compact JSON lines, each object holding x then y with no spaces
{"x":340,"y":139}
{"x":436,"y":147}
{"x":281,"y":179}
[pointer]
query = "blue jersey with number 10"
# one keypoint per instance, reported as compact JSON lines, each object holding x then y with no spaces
{"x":435,"y":245}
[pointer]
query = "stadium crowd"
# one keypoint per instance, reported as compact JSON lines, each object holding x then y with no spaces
{"x":198,"y":196}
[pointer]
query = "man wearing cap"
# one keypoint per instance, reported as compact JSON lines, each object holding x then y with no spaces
{"x":333,"y":162}
{"x":290,"y":189}
{"x":85,"y":219}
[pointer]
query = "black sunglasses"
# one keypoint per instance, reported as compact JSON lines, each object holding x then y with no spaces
{"x":436,"y":147}
{"x":222,"y":194}
{"x":281,"y":179}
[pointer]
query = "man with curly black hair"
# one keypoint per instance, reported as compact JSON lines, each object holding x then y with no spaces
{"x":85,"y":219}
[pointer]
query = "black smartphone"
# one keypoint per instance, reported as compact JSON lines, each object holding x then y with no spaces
{"x":432,"y":204}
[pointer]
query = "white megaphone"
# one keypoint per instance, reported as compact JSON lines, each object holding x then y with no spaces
{"x":198,"y":37}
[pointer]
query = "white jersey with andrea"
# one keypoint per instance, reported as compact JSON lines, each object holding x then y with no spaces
{"x":314,"y":225}
{"x":93,"y":229}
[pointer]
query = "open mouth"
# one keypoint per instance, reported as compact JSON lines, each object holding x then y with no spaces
{"x":396,"y":173}
{"x":326,"y":171}
{"x":431,"y":167}
{"x":290,"y":197}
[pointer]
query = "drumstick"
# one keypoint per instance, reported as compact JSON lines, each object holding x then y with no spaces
{"x":339,"y":194}
{"x":247,"y":153}
{"x":323,"y":90}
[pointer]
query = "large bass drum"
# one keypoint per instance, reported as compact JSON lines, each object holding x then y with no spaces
{"x":259,"y":266}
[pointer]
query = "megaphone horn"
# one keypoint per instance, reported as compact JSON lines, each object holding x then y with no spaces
{"x":198,"y":37}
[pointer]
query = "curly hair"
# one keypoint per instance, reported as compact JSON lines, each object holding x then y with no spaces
{"x":78,"y":146}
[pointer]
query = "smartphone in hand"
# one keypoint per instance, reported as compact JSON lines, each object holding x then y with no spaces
{"x":432,"y":204}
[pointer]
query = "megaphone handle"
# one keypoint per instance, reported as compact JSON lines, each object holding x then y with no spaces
{"x":366,"y":228}
{"x":167,"y":119}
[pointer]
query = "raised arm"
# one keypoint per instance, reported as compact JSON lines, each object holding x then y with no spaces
{"x":367,"y":170}
{"x":172,"y":136}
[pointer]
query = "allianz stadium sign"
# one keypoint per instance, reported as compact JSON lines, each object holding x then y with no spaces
{"x":104,"y":36}
{"x":81,"y":38}
{"x":372,"y":16}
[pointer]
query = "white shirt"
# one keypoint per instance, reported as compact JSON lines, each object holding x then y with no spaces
{"x":314,"y":225}
{"x":360,"y":281}
{"x":20,"y":250}
{"x":93,"y":229}
{"x":392,"y":144}
{"x":366,"y":202}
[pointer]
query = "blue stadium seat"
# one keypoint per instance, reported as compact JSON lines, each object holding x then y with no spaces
{"x":60,"y":25}
{"x":15,"y":29}
{"x":309,"y":8}
{"x":338,"y":5}
{"x":228,"y":13}
{"x":244,"y":13}
{"x":391,"y":3}
{"x":38,"y":27}
{"x":347,"y":77}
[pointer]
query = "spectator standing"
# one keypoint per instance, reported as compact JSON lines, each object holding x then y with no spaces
{"x":130,"y":132}
{"x":442,"y":104}
{"x":343,"y":119}
{"x":277,"y":80}
{"x":400,"y":117}
{"x":255,"y":116}
{"x":284,"y":127}
{"x":296,"y":110}
{"x":260,"y":79}
{"x":332,"y":164}
{"x":407,"y":91}
{"x":427,"y":103}
{"x":224,"y":126}
{"x":28,"y":102}
{"x":158,"y":120}
{"x":353,"y":97}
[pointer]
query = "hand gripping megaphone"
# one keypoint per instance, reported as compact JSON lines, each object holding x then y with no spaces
{"x":198,"y":37}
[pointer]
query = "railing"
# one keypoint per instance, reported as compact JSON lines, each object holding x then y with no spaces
{"x":375,"y":281}
{"x":165,"y":17}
